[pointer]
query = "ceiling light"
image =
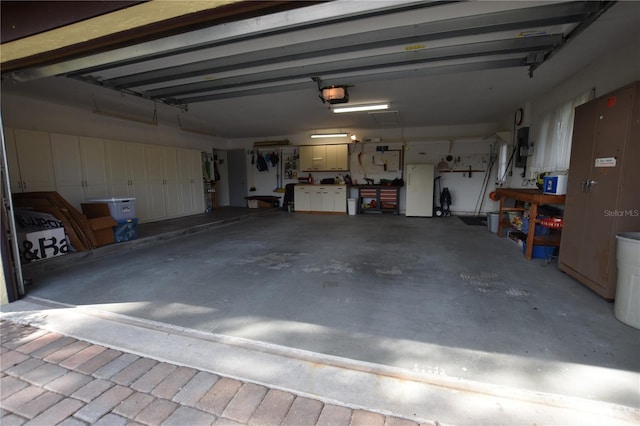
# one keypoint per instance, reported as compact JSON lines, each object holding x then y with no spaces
{"x":335,"y":94}
{"x":375,"y":107}
{"x":329,"y":135}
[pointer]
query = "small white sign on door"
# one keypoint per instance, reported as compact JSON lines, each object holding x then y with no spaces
{"x":606,"y":162}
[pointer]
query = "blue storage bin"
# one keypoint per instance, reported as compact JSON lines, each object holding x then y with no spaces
{"x":126,"y":230}
{"x":540,"y":230}
{"x":540,"y":252}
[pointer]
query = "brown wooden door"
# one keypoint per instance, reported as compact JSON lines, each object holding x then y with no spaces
{"x":599,"y":187}
{"x":576,"y":201}
{"x":629,"y":201}
{"x":612,"y":125}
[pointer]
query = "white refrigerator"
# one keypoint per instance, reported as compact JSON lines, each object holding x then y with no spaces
{"x":419,"y":190}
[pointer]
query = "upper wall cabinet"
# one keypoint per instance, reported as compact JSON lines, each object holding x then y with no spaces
{"x":324,"y":158}
{"x":80,"y":168}
{"x":30,"y":161}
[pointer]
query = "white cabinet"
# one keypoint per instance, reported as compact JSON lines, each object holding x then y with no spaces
{"x":30,"y":161}
{"x":316,"y":199}
{"x":302,"y":198}
{"x":126,"y":174}
{"x":337,"y":158}
{"x":320,"y":198}
{"x":324,"y":158}
{"x":165,"y":181}
{"x":162,"y":182}
{"x":80,"y":168}
{"x":190,"y":181}
{"x":340,"y":199}
{"x":312,"y":157}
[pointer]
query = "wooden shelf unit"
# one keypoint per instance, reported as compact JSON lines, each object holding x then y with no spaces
{"x":535,"y":198}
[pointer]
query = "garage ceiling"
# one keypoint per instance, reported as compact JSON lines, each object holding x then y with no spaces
{"x":437,"y":63}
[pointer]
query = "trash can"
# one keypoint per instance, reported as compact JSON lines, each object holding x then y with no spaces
{"x":492,"y":221}
{"x":627,"y":304}
{"x":351,"y":206}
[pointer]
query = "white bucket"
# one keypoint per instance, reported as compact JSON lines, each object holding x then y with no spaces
{"x":351,"y":205}
{"x":492,"y":222}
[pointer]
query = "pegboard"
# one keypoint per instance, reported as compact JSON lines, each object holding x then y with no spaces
{"x":380,"y":162}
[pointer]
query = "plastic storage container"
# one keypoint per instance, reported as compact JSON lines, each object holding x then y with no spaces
{"x":120,"y":208}
{"x":126,"y":230}
{"x":351,"y":206}
{"x":540,"y":252}
{"x":627,"y":304}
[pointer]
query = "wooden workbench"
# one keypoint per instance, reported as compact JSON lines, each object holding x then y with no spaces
{"x":535,"y":198}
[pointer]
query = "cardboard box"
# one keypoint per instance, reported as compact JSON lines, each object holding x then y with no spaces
{"x":42,"y":244}
{"x":35,"y":219}
{"x":100,"y":221}
{"x":103,"y":229}
{"x":94,"y":210}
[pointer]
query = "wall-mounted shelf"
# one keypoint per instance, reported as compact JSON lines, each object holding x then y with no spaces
{"x":462,"y":171}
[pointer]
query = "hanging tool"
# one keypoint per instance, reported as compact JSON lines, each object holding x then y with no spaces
{"x":253,"y":161}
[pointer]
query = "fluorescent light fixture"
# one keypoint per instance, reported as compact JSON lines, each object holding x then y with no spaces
{"x":375,"y":107}
{"x":329,"y":135}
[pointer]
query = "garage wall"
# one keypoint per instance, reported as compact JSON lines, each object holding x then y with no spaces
{"x":420,"y":145}
{"x":612,"y":71}
{"x":31,"y":114}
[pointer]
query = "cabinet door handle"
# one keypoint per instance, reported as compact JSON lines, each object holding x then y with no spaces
{"x":587,"y":184}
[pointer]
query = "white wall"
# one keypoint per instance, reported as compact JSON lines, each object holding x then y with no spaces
{"x":31,"y":114}
{"x":468,"y":195}
{"x":467,"y":192}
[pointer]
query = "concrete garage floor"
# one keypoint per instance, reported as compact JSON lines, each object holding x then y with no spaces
{"x":432,"y":300}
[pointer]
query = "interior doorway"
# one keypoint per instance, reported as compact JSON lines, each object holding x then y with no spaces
{"x":237,"y":177}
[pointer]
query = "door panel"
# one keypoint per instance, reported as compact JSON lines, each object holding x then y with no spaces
{"x":35,"y":159}
{"x":117,"y":173}
{"x":598,"y":259}
{"x":137,"y":173}
{"x":94,"y":168}
{"x":629,"y":201}
{"x":155,"y":183}
{"x":576,"y":200}
{"x":67,"y":161}
{"x":237,"y":177}
{"x":12,"y":160}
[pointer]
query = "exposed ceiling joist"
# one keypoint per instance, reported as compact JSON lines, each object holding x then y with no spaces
{"x":405,"y":52}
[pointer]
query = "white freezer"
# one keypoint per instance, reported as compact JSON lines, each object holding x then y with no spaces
{"x":419,"y":190}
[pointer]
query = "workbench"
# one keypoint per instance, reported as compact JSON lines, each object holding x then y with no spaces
{"x":535,"y":197}
{"x":380,"y":198}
